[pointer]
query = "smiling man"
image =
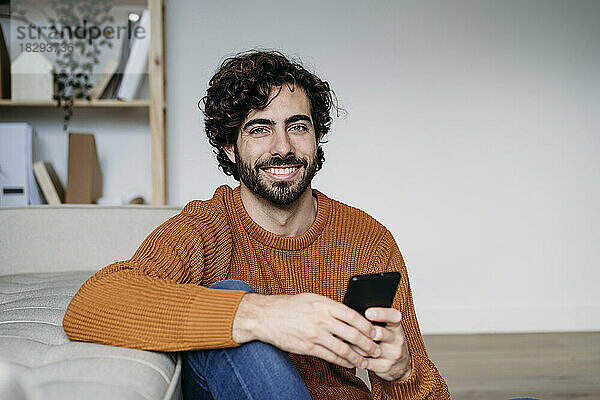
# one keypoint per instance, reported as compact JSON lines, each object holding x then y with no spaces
{"x":248,"y":285}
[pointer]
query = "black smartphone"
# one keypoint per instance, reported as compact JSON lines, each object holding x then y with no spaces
{"x":372,"y":290}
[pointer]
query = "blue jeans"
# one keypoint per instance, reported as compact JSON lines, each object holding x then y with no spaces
{"x":254,"y":370}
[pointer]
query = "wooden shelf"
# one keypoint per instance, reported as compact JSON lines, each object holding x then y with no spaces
{"x":78,"y":103}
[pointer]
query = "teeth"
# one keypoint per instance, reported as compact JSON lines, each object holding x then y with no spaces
{"x":281,"y":171}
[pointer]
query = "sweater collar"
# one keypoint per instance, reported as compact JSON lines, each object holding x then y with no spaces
{"x":282,"y":242}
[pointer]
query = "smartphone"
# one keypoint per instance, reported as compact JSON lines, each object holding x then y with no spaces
{"x":372,"y":290}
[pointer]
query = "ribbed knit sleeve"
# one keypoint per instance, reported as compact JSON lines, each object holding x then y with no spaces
{"x":424,"y":381}
{"x":155,"y":300}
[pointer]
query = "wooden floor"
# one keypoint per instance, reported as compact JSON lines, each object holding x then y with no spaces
{"x":547,"y":366}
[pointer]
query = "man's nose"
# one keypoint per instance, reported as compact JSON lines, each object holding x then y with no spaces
{"x":282,"y":145}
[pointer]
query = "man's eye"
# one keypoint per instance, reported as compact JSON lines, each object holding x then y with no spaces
{"x":259,"y":131}
{"x":298,"y":128}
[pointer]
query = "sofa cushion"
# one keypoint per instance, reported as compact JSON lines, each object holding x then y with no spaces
{"x":37,"y":360}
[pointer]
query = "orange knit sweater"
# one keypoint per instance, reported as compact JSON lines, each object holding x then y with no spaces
{"x":157,"y":300}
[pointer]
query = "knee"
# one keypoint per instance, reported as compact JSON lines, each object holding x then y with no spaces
{"x":254,"y":351}
{"x":233,"y":284}
{"x":262,"y":349}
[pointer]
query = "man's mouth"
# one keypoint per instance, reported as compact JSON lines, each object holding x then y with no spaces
{"x":282,"y":172}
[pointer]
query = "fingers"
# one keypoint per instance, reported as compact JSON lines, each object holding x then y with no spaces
{"x":351,"y":317}
{"x":384,"y":334}
{"x":395,"y":363}
{"x":355,"y":337}
{"x":385,"y":366}
{"x":391,"y":316}
{"x":336,"y":333}
{"x":330,"y":356}
{"x":343,"y":350}
{"x":359,"y":350}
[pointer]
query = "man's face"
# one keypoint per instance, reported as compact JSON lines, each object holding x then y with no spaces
{"x":276,"y":149}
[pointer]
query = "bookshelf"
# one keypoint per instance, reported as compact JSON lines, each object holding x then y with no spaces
{"x":156,"y":104}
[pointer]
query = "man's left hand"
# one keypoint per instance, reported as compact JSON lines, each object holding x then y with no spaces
{"x":394,"y":362}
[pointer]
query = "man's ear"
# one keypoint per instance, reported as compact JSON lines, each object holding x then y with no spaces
{"x":229,"y":150}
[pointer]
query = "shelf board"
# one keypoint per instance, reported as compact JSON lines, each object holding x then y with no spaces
{"x":78,"y":103}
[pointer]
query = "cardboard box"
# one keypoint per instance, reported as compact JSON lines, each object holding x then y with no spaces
{"x":84,"y":182}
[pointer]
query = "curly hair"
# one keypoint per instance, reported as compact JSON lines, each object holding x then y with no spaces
{"x":243,"y":83}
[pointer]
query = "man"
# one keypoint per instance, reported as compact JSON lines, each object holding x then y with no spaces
{"x":248,"y":285}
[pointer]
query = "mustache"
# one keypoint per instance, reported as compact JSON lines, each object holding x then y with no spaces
{"x":279,"y":161}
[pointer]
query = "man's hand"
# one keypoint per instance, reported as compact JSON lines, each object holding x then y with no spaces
{"x":395,"y":361}
{"x":307,"y":324}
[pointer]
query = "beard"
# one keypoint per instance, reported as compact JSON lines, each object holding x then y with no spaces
{"x":277,"y":192}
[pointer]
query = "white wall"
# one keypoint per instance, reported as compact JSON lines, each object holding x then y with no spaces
{"x":472,"y":134}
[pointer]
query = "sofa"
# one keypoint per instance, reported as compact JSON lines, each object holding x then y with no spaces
{"x":46,"y":253}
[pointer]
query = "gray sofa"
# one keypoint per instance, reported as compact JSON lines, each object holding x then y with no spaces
{"x":46,"y":253}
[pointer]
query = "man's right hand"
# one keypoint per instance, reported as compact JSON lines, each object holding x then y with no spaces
{"x":307,"y":324}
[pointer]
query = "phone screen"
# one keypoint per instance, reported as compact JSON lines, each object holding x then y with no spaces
{"x":372,"y":290}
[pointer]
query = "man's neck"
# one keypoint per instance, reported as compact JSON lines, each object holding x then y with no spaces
{"x":290,"y":220}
